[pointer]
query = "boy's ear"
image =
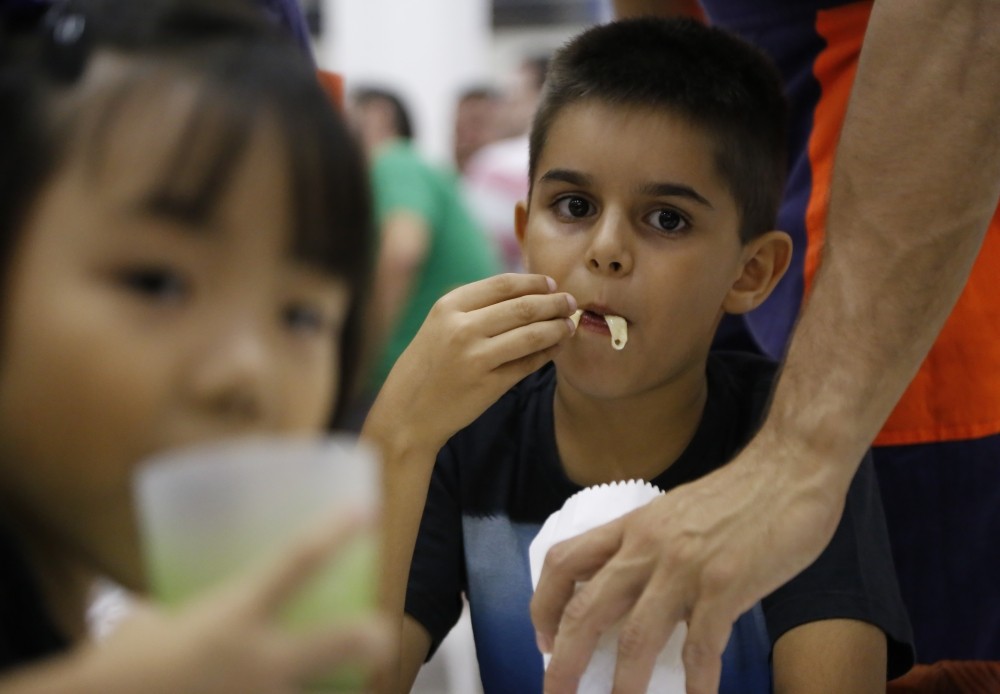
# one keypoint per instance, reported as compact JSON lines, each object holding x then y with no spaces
{"x":765,"y":260}
{"x":520,"y":225}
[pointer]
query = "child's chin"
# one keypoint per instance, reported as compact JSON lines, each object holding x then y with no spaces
{"x":599,"y":386}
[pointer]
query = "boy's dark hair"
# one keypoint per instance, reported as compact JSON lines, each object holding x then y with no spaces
{"x":400,"y":114}
{"x":705,"y":75}
{"x":245,"y":72}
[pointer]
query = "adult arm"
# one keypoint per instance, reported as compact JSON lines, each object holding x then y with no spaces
{"x":916,"y":180}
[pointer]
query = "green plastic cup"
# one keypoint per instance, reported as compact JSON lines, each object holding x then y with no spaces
{"x":212,"y":512}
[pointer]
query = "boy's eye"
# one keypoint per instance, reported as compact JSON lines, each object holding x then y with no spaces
{"x":573,"y":206}
{"x":304,"y":319}
{"x":667,"y":220}
{"x":157,"y":284}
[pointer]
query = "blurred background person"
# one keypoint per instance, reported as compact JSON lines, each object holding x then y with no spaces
{"x":496,"y":177}
{"x":476,"y":122}
{"x":429,"y":243}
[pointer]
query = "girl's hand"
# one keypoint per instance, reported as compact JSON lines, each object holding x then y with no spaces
{"x":231,"y":641}
{"x":475,"y":344}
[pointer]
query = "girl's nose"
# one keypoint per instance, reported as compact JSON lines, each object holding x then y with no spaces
{"x":232,"y":374}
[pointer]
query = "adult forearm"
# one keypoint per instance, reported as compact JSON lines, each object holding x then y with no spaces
{"x":916,"y":180}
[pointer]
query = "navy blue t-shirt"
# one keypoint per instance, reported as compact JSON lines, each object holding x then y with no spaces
{"x":497,"y":481}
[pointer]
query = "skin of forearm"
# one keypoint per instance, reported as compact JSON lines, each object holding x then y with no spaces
{"x":407,"y":463}
{"x":916,"y":181}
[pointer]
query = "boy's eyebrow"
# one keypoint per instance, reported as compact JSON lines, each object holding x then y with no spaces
{"x":574,"y":178}
{"x":674,"y":190}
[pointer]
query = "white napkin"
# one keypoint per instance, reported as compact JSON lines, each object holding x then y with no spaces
{"x":583,"y":511}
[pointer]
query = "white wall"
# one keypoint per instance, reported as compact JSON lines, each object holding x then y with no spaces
{"x":426,"y":50}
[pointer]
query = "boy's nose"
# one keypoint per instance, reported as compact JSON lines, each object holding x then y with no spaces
{"x":609,"y":252}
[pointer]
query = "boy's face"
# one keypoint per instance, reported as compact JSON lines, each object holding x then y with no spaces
{"x":127,"y":332}
{"x":628,"y":214}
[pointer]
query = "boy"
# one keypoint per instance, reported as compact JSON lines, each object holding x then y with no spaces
{"x":657,"y":162}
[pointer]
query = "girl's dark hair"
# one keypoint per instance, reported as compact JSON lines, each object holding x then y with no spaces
{"x":709,"y":77}
{"x":245,"y":71}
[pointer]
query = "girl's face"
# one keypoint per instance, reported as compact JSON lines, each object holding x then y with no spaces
{"x":127,"y":330}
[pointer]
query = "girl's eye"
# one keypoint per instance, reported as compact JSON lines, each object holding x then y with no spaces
{"x":156,"y":284}
{"x":304,"y":319}
{"x":573,"y":206}
{"x":668,"y":220}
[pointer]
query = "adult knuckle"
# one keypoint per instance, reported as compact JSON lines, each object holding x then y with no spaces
{"x":696,"y":654}
{"x":647,"y":536}
{"x":633,"y":640}
{"x":558,"y":558}
{"x":580,"y":606}
{"x":560,"y":675}
{"x":684,"y":554}
{"x":718,"y":576}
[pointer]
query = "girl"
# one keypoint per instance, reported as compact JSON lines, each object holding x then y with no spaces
{"x":184,"y":233}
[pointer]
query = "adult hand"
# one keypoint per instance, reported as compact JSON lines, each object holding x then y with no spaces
{"x":703,"y":553}
{"x":475,"y":344}
{"x":232,"y":642}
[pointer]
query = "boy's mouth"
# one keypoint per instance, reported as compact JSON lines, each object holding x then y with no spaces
{"x":598,"y":320}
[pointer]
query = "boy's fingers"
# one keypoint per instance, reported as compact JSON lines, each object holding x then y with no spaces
{"x":517,"y":370}
{"x":493,"y":290}
{"x":288,"y":571}
{"x":528,"y":340}
{"x":525,"y":310}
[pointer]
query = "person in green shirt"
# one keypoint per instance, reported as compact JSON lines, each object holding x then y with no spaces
{"x":429,"y":242}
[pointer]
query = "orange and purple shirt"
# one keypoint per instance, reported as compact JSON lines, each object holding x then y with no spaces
{"x":816,"y":45}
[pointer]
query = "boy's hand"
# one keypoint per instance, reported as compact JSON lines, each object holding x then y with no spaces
{"x":475,"y":344}
{"x":231,"y":641}
{"x":703,"y":553}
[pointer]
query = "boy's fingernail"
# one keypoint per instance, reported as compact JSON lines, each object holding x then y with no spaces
{"x":571,"y":300}
{"x":543,"y":643}
{"x":552,"y":284}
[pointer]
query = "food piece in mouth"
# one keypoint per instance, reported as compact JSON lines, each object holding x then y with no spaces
{"x":576,"y":318}
{"x":619,"y":331}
